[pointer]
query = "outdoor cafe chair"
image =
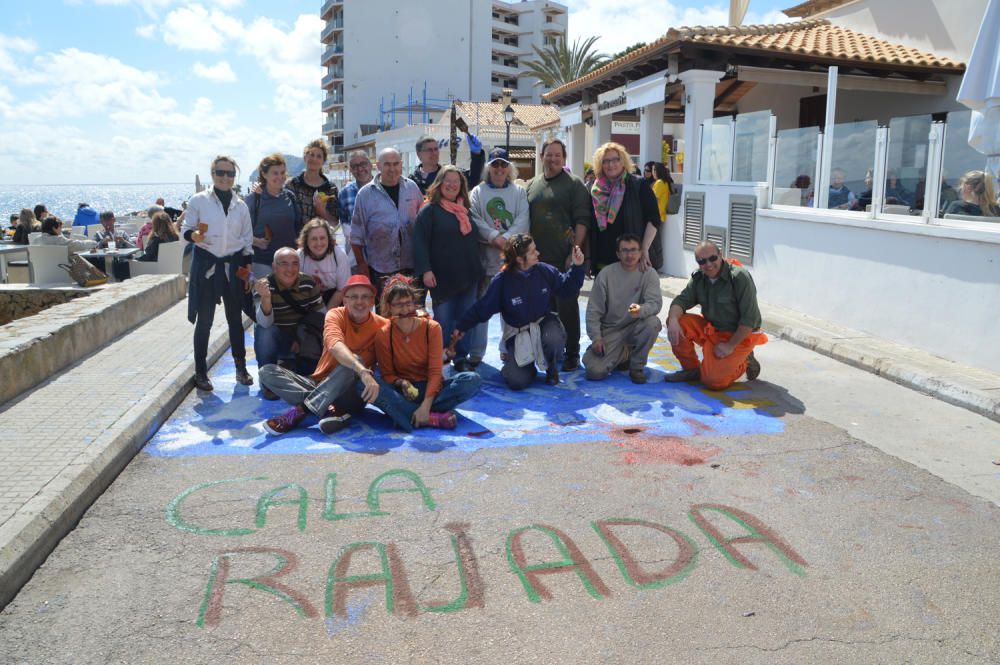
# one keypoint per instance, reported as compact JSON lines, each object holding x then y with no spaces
{"x":43,"y":264}
{"x":170,"y":261}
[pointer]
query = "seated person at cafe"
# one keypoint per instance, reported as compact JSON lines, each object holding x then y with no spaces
{"x":85,"y":215}
{"x":105,"y":237}
{"x":412,"y":390}
{"x":348,"y":358}
{"x":976,"y":197}
{"x":727,"y":329}
{"x":52,"y":235}
{"x":163,"y":231}
{"x":623,"y":315}
{"x":289,"y":302}
{"x":841,"y":198}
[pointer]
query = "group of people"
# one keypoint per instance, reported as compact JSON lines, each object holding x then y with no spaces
{"x":38,"y":226}
{"x":479,"y":244}
{"x":975,"y":195}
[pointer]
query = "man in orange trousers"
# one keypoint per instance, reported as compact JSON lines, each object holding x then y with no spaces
{"x":728,"y":328}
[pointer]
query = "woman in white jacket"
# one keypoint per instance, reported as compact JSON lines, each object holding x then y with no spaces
{"x":499,"y":211}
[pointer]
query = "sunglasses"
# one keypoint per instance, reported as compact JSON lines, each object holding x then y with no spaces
{"x":711,"y":259}
{"x":222,"y":173}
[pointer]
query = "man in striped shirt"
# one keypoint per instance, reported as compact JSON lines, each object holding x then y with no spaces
{"x":288,"y":300}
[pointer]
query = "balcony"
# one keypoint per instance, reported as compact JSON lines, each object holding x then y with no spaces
{"x":328,"y":8}
{"x":332,"y":102}
{"x":333,"y":127}
{"x":331,"y":29}
{"x":506,"y":28}
{"x":504,"y":71}
{"x":333,"y":52}
{"x":330,"y":79}
{"x":499,"y":48}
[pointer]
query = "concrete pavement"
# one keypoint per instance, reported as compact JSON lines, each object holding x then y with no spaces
{"x":65,"y":441}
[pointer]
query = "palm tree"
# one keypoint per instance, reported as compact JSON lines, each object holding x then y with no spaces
{"x":558,"y":65}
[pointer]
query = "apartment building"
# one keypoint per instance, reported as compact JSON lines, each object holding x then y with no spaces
{"x":381,"y":55}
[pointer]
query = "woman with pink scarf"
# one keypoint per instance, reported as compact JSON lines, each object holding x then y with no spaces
{"x":446,"y":253}
{"x":623,"y":203}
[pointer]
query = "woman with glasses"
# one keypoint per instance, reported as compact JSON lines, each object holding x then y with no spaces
{"x":412,"y":390}
{"x":623,"y":203}
{"x":218,"y":223}
{"x":500,"y":211}
{"x":521,"y":292}
{"x":274,"y":212}
{"x":446,"y":253}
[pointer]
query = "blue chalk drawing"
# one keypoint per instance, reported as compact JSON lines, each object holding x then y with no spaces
{"x":228,"y":421}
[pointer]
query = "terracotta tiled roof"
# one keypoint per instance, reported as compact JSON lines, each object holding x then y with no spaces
{"x":813,"y":7}
{"x":814,"y":39}
{"x":491,"y":113}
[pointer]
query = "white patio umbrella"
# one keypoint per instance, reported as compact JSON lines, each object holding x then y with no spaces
{"x":980,"y":89}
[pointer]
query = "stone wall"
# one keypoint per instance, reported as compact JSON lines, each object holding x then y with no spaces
{"x":19,"y":304}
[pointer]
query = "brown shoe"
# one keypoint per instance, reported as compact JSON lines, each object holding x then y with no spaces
{"x":637,"y":375}
{"x":201,"y":382}
{"x":753,"y":367}
{"x":683,"y":375}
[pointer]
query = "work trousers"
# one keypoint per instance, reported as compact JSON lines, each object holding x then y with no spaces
{"x":631,"y":343}
{"x":716,"y":373}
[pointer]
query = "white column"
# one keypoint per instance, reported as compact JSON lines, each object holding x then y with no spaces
{"x":576,"y":149}
{"x":651,"y":133}
{"x":699,"y":105}
{"x":601,"y":135}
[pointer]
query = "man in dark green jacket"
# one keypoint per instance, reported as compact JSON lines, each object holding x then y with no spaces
{"x":727,"y":329}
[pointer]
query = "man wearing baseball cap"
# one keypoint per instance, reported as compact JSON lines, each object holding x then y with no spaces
{"x":348,"y":357}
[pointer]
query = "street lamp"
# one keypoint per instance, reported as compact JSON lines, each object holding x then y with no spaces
{"x":508,"y":117}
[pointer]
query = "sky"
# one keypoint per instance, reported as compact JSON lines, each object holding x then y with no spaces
{"x":138,"y":91}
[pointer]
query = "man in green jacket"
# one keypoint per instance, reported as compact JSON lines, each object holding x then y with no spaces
{"x":727,"y":329}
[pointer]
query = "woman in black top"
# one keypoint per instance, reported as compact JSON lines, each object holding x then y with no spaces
{"x":623,"y":203}
{"x":977,"y":197}
{"x":163,"y":231}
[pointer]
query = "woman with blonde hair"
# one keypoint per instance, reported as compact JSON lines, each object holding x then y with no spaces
{"x":976,"y":196}
{"x":321,"y":258}
{"x":623,"y":203}
{"x":446,"y":253}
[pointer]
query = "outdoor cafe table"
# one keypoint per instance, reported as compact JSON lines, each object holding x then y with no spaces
{"x":126,"y":253}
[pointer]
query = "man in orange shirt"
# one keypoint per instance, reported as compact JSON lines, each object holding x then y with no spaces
{"x":348,"y":357}
{"x":413,"y":392}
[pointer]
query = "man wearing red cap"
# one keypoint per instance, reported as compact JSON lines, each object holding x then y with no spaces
{"x":348,"y":357}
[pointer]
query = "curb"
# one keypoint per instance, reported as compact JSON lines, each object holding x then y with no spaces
{"x":55,"y":511}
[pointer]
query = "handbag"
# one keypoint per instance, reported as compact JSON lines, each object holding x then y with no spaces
{"x":83,"y":272}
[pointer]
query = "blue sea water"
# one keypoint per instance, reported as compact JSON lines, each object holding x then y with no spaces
{"x":62,"y":200}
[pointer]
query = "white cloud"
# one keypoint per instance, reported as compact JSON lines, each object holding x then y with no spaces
{"x":220,"y":72}
{"x":195,"y":28}
{"x":647,"y":20}
{"x":11,"y":46}
{"x":146,"y":31}
{"x":290,"y":57}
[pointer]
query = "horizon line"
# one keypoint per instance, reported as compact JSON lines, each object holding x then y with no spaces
{"x":89,"y":184}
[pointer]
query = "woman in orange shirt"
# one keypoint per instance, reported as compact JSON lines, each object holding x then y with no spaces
{"x":412,"y":390}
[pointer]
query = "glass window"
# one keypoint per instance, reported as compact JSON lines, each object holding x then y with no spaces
{"x":906,"y":167}
{"x":716,"y":150}
{"x":795,"y":166}
{"x":961,"y":159}
{"x":750,"y":149}
{"x":852,"y":156}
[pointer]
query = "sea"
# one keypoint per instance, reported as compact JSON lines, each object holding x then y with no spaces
{"x":63,"y":200}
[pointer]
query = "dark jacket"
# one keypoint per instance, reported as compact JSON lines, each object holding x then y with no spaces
{"x":473,"y":175}
{"x":523,"y":297}
{"x":439,"y":246}
{"x":638,"y":208}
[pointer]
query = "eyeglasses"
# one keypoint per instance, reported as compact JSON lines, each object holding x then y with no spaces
{"x":709,"y":259}
{"x":362,"y":165}
{"x":222,"y":173}
{"x":611,"y":160}
{"x":360,"y":296}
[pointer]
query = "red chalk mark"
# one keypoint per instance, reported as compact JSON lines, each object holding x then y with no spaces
{"x":756,"y":530}
{"x":698,"y":427}
{"x":909,"y":526}
{"x":478,"y":434}
{"x":662,"y":450}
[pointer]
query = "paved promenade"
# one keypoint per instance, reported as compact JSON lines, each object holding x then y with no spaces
{"x":65,"y":441}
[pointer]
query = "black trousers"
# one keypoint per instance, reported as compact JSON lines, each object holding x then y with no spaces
{"x":232,"y":303}
{"x":568,"y":310}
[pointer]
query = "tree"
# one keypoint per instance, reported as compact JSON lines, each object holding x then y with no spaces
{"x":631,"y":48}
{"x":557,"y":65}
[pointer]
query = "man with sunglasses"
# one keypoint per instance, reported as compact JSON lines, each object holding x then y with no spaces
{"x":727,"y":329}
{"x":429,"y":154}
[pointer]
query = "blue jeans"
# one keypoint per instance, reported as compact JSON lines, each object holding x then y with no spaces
{"x":448,"y":313}
{"x":455,"y":390}
{"x":272,"y":344}
{"x":479,"y":335}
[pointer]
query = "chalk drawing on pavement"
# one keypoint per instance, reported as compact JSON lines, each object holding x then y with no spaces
{"x":229,"y":420}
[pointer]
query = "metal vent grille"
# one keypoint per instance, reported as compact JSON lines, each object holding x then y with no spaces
{"x":694,"y":218}
{"x":742,"y":226}
{"x":717,"y":234}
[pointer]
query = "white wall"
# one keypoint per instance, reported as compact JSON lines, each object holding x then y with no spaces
{"x":943,"y":27}
{"x":927,"y":288}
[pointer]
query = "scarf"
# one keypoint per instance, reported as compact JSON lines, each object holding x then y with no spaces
{"x":607,"y":196}
{"x":461,"y":212}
